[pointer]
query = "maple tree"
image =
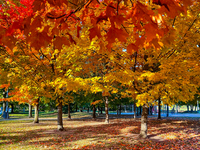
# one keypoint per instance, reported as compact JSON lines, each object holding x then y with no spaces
{"x":51,"y":41}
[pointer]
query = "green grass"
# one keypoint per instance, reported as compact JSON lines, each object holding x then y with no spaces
{"x":24,"y":115}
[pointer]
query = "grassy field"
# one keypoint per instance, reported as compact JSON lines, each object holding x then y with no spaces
{"x":24,"y":115}
{"x":95,"y":134}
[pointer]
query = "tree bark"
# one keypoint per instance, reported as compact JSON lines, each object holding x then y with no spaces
{"x":30,"y":111}
{"x":98,"y":110}
{"x":94,"y":112}
{"x":151,"y":111}
{"x":134,"y":109}
{"x":191,"y":106}
{"x":120,"y":109}
{"x":60,"y":119}
{"x":76,"y":108}
{"x":159,"y":108}
{"x":12,"y":108}
{"x":177,"y":108}
{"x":101,"y":110}
{"x":4,"y":106}
{"x":5,"y":112}
{"x":143,"y":130}
{"x":106,"y":110}
{"x":188,"y":108}
{"x":167,"y":111}
{"x":69,"y":116}
{"x":140,"y":110}
{"x":36,"y":117}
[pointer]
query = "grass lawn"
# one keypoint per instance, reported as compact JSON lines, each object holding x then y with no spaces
{"x":24,"y":115}
{"x":87,"y":134}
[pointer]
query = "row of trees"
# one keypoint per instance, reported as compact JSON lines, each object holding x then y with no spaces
{"x":146,"y":50}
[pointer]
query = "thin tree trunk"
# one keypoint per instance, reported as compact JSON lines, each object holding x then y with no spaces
{"x":98,"y":110}
{"x":143,"y":130}
{"x":69,"y":116}
{"x":88,"y":109}
{"x":4,"y":106}
{"x":140,"y":110}
{"x":188,"y":108}
{"x":120,"y":109}
{"x":12,"y":108}
{"x":137,"y":111}
{"x":76,"y":108}
{"x":94,"y":112}
{"x":191,"y":106}
{"x":167,"y":111}
{"x":30,"y":111}
{"x":5,"y":112}
{"x":60,"y":119}
{"x":159,"y":108}
{"x":134,"y":109}
{"x":36,"y":117}
{"x":106,"y":109}
{"x":177,"y":108}
{"x":151,"y":111}
{"x":195,"y":108}
{"x":101,"y":110}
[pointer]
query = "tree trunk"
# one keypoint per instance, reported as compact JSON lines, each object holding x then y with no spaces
{"x":4,"y":106}
{"x":143,"y":130}
{"x":36,"y":117}
{"x":5,"y":112}
{"x":191,"y":106}
{"x":94,"y":112}
{"x":134,"y":109}
{"x":140,"y":110}
{"x":106,"y":110}
{"x":60,"y":119}
{"x":120,"y":109}
{"x":151,"y":110}
{"x":137,"y":111}
{"x":98,"y":110}
{"x":69,"y":116}
{"x":188,"y":108}
{"x":195,"y":108}
{"x":88,"y":109}
{"x":159,"y":108}
{"x":12,"y":108}
{"x":76,"y":108}
{"x":177,"y":108}
{"x":167,"y":111}
{"x":101,"y":110}
{"x":30,"y":111}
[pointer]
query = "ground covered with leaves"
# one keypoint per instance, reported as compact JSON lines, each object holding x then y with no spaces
{"x":95,"y":134}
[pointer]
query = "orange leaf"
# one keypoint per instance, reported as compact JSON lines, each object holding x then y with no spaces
{"x":59,"y":41}
{"x":94,"y":32}
{"x":131,"y":48}
{"x":114,"y":33}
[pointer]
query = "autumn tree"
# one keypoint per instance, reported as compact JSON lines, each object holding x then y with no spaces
{"x":51,"y":37}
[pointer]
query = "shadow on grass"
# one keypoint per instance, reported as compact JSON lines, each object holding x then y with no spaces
{"x":89,"y":134}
